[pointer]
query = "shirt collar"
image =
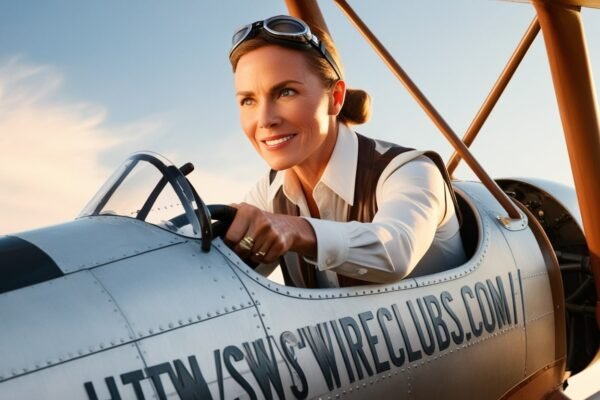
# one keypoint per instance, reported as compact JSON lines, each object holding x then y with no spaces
{"x":339,"y":175}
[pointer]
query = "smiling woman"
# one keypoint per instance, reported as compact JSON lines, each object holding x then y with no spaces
{"x":353,"y":210}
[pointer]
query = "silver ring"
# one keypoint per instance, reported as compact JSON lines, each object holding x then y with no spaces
{"x":247,"y":243}
{"x":260,"y":254}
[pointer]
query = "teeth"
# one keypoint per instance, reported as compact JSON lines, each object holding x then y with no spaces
{"x":278,"y":141}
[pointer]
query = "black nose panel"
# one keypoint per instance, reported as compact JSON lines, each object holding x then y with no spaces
{"x":23,"y":264}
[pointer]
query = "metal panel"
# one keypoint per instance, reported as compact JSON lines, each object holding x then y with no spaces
{"x":98,"y":240}
{"x":208,"y":345}
{"x":460,"y":372}
{"x":540,"y":342}
{"x":534,"y":274}
{"x":173,"y":287}
{"x":537,"y":298}
{"x":66,"y":381}
{"x":56,"y":321}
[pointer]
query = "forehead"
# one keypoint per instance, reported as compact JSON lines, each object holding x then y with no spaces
{"x":271,"y":64}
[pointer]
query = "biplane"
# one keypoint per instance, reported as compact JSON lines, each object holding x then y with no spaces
{"x":139,"y":297}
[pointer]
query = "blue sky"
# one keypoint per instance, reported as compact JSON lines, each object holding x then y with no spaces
{"x":82,"y":85}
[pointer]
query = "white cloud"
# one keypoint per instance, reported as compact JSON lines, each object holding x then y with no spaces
{"x":50,"y":151}
{"x":49,"y":148}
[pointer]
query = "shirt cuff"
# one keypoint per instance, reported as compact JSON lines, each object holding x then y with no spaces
{"x":332,"y":244}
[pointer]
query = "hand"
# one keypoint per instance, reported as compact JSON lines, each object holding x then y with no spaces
{"x":272,"y":235}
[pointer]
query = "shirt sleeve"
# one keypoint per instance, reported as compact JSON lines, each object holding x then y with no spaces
{"x":411,"y":204}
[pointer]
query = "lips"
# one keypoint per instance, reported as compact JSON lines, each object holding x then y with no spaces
{"x":276,"y":142}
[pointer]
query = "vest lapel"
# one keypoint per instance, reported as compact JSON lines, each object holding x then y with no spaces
{"x":296,"y":272}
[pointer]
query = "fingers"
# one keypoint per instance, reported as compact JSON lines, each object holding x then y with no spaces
{"x":262,"y":253}
{"x":255,"y":235}
{"x":240,"y":236}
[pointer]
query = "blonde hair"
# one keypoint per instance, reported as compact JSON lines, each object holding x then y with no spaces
{"x":357,"y":105}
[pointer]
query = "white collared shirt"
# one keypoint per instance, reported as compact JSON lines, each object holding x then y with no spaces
{"x":412,"y":229}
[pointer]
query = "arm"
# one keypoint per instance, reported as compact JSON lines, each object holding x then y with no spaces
{"x":411,"y":205}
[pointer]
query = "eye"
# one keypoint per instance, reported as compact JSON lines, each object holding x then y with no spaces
{"x":246,"y":101}
{"x":287,"y":92}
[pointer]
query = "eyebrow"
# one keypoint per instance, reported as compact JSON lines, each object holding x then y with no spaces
{"x":276,"y":87}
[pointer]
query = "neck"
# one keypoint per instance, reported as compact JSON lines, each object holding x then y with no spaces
{"x":310,"y":171}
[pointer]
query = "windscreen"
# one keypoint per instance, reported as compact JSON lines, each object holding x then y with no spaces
{"x":142,"y":189}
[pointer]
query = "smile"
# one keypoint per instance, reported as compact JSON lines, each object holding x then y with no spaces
{"x":278,"y":141}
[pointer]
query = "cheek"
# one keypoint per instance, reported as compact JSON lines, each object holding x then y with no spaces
{"x":320,"y":115}
{"x":247,"y":124}
{"x":309,"y":113}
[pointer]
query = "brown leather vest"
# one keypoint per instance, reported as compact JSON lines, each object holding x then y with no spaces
{"x":370,"y":165}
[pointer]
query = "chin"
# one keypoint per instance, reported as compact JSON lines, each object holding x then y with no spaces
{"x":280,"y":166}
{"x":279,"y":163}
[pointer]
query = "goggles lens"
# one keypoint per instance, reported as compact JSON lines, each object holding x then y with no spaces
{"x":283,"y":28}
{"x":278,"y":25}
{"x":240,"y":35}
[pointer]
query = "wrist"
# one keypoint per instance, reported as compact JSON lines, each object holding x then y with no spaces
{"x":304,"y":239}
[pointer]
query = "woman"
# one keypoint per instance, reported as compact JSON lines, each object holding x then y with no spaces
{"x":343,"y":209}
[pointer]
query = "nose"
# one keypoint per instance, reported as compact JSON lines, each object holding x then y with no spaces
{"x":268,"y":116}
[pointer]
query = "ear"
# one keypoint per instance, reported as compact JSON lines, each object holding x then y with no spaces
{"x":337,"y":97}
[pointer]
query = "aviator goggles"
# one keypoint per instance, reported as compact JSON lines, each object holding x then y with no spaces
{"x":287,"y":31}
